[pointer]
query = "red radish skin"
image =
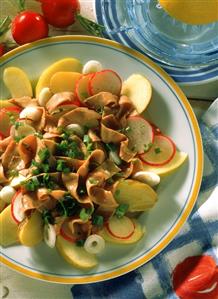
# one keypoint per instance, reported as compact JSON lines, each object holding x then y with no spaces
{"x":82,"y":87}
{"x":106,"y":80}
{"x":138,"y":135}
{"x":66,"y":234}
{"x":11,"y":109}
{"x":13,"y":202}
{"x":107,"y":225}
{"x":153,"y":161}
{"x":2,"y":136}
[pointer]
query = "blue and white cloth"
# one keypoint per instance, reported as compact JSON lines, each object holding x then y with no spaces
{"x":153,"y":280}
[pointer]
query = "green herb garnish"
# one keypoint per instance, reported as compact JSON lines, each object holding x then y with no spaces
{"x":85,"y":214}
{"x":157,"y":150}
{"x":121,"y":210}
{"x":39,"y":135}
{"x":47,"y":217}
{"x":147,"y":146}
{"x":117,"y":193}
{"x":32,"y":184}
{"x":93,"y":181}
{"x":44,"y":154}
{"x":80,"y":243}
{"x":61,"y":166}
{"x":98,"y":220}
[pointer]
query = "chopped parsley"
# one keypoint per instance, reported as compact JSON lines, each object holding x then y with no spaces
{"x":121,"y":210}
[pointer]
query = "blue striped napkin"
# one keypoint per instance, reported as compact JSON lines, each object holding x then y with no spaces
{"x":199,"y":236}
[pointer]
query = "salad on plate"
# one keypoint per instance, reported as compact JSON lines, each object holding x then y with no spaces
{"x":79,"y":162}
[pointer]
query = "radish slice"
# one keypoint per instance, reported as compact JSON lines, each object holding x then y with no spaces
{"x":81,"y":90}
{"x":162,"y":151}
{"x":17,"y":211}
{"x":66,"y":233}
{"x":49,"y":235}
{"x":140,"y":134}
{"x":106,"y":80}
{"x":11,"y":109}
{"x":122,"y":228}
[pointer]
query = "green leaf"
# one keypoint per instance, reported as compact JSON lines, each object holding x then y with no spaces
{"x":90,"y":26}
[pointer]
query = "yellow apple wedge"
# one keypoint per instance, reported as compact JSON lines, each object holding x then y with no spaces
{"x":8,"y":228}
{"x":31,"y":230}
{"x":175,"y":163}
{"x":17,"y":82}
{"x":135,"y":237}
{"x":63,"y":65}
{"x":75,"y":255}
{"x":64,"y":81}
{"x":139,"y":196}
{"x":138,"y":89}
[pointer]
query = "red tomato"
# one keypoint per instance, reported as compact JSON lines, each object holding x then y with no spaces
{"x":28,"y":26}
{"x":60,"y":13}
{"x":194,"y":276}
{"x":2,"y":49}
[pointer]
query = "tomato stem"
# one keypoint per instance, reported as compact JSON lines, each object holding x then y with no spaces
{"x":90,"y":26}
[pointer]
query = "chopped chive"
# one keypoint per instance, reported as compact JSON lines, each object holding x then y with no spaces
{"x":121,"y":210}
{"x":61,"y":166}
{"x":117,"y":193}
{"x":157,"y":150}
{"x":44,"y":154}
{"x":98,"y":220}
{"x":147,"y":146}
{"x":80,"y":243}
{"x":93,"y":181}
{"x":84,"y":215}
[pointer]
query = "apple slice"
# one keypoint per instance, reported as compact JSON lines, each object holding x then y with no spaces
{"x":17,"y":82}
{"x":161,"y":152}
{"x":8,"y":228}
{"x":82,"y":89}
{"x":64,"y":81}
{"x":140,"y":134}
{"x":122,"y":228}
{"x":106,"y":80}
{"x":17,"y":211}
{"x":62,"y":65}
{"x":66,"y":233}
{"x":75,"y":255}
{"x":31,"y":230}
{"x":166,"y":169}
{"x":138,"y":89}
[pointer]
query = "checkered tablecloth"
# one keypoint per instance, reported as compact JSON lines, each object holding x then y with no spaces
{"x":199,"y":236}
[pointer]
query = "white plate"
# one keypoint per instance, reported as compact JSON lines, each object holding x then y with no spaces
{"x":169,"y":109}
